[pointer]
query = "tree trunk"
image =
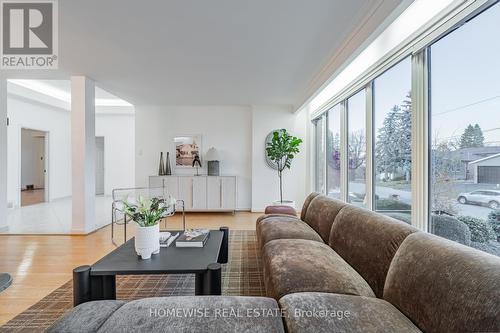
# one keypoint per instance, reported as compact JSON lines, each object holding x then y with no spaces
{"x":281,"y":188}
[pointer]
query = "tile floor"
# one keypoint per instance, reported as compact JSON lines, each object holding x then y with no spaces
{"x":53,"y":217}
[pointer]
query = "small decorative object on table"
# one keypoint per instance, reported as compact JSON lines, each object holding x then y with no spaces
{"x":197,"y":164}
{"x":161,"y":167}
{"x":166,"y":238}
{"x":212,"y":158}
{"x":147,"y":213}
{"x":193,"y":238}
{"x":168,"y":169}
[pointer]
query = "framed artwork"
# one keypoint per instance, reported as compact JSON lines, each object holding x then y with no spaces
{"x":186,"y":148}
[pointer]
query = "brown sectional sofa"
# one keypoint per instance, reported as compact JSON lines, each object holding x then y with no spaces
{"x":385,"y":273}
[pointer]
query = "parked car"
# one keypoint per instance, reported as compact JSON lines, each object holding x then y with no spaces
{"x":490,"y":198}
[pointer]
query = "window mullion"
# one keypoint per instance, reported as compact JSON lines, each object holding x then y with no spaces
{"x":325,"y":153}
{"x":369,"y":195}
{"x":420,"y":141}
{"x":344,"y":164}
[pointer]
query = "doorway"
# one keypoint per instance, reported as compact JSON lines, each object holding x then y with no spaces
{"x":34,"y":182}
{"x":99,"y":165}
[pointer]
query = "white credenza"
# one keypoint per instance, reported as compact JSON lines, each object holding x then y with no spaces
{"x":200,"y":193}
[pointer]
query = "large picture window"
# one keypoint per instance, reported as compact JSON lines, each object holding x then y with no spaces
{"x":333,"y":158}
{"x":356,"y":148}
{"x":462,"y":167}
{"x":392,"y":138}
{"x":465,"y":134}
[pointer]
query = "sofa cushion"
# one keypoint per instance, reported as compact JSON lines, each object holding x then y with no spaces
{"x":297,"y":265}
{"x":280,"y":209}
{"x":306,"y":204}
{"x":284,"y":227}
{"x":265,"y":216}
{"x":86,"y":317}
{"x":368,"y":242}
{"x":321,"y":213}
{"x":443,"y":286}
{"x":196,"y":314}
{"x":322,"y":312}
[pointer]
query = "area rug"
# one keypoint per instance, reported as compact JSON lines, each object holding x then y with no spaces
{"x":242,"y":275}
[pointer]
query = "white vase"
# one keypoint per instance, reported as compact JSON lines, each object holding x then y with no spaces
{"x":290,"y":203}
{"x":147,"y":241}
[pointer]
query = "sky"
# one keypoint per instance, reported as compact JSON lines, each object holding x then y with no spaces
{"x":465,"y":78}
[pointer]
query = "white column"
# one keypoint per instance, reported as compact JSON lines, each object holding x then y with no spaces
{"x":83,"y":153}
{"x":3,"y":154}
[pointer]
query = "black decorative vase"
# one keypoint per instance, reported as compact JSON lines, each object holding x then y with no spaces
{"x":161,"y":168}
{"x":168,"y":170}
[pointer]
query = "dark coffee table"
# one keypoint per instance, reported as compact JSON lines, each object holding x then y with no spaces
{"x":98,"y":281}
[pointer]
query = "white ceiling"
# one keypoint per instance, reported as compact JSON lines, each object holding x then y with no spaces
{"x":65,"y":86}
{"x":211,"y":51}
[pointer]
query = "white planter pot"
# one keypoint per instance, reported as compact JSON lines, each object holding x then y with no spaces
{"x":147,"y":241}
{"x":290,"y":203}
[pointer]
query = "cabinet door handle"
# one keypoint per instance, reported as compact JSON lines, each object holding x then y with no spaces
{"x":220,"y":188}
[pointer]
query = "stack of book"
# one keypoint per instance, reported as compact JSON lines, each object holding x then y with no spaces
{"x":193,"y":238}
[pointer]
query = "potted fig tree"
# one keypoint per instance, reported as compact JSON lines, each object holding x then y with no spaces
{"x":147,"y":213}
{"x":282,"y":149}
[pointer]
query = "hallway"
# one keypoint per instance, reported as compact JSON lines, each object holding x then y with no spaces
{"x":32,"y":197}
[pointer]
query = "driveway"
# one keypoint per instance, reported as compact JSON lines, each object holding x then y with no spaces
{"x":473,"y":210}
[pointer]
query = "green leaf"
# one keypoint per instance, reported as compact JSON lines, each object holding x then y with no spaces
{"x":282,"y":149}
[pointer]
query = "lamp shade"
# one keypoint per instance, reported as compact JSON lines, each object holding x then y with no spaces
{"x":212,"y":155}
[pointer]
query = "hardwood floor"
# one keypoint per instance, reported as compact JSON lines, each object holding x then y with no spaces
{"x":40,"y":264}
{"x":31,"y":197}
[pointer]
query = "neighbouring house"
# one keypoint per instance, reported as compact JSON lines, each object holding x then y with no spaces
{"x":486,"y":170}
{"x":465,"y":156}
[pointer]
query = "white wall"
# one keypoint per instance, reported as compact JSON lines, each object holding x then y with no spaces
{"x":265,"y":181}
{"x":227,"y":128}
{"x":3,"y":153}
{"x":119,"y":148}
{"x":24,"y":113}
{"x":238,"y":133}
{"x":117,"y":128}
